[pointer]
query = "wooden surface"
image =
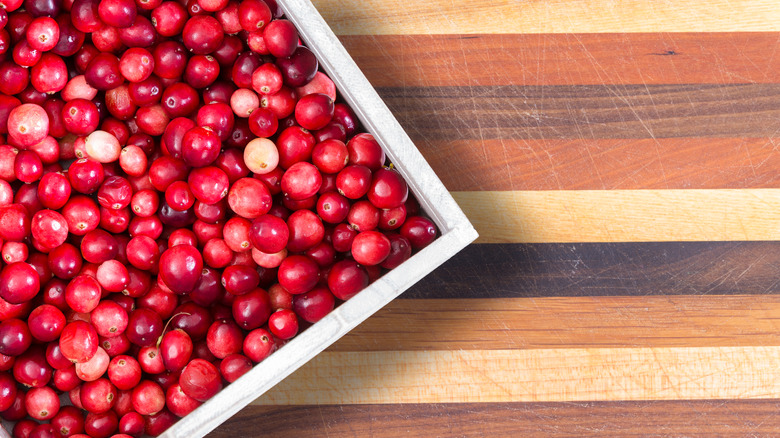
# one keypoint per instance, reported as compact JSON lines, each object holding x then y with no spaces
{"x":620,"y":161}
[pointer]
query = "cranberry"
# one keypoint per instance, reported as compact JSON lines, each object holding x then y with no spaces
{"x":306,"y":230}
{"x":144,"y":327}
{"x":94,"y":368}
{"x":346,"y":278}
{"x":314,"y":111}
{"x":249,"y":198}
{"x":169,"y":18}
{"x":98,"y":396}
{"x":28,"y":166}
{"x":419,"y":231}
{"x":258,"y":345}
{"x":234,"y":366}
{"x":15,"y":337}
{"x":28,"y":124}
{"x":239,"y":280}
{"x":244,"y":67}
{"x":299,"y":68}
{"x":400,"y":251}
{"x":208,"y":184}
{"x":19,"y":282}
{"x":147,"y":92}
{"x":132,"y":423}
{"x":109,"y":319}
{"x":354,"y":181}
{"x":68,"y":421}
{"x":302,"y":180}
{"x":200,"y":380}
{"x":252,"y":309}
{"x":364,"y":150}
{"x":261,"y":156}
{"x":200,"y":147}
{"x":180,"y":268}
{"x":269,"y":234}
{"x":49,"y":75}
{"x":321,"y":83}
{"x":298,"y":274}
{"x":180,"y":100}
{"x":281,"y":38}
{"x":330,"y":156}
{"x":148,"y":398}
{"x":79,"y":341}
{"x":283,"y":324}
{"x":117,"y":13}
{"x":46,"y":323}
{"x":202,"y":34}
{"x":313,"y":305}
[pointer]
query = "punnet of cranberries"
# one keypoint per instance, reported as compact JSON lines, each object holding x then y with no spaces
{"x":182,"y":191}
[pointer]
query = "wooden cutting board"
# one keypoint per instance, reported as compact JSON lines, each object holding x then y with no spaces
{"x":620,"y":161}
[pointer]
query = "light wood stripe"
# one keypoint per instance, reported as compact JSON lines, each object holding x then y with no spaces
{"x":566,"y":59}
{"x":604,"y":164}
{"x":597,"y":374}
{"x":571,"y":322}
{"x":623,"y":215}
{"x":377,"y":17}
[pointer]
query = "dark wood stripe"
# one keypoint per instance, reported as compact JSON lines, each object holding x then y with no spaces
{"x":604,"y":164}
{"x":643,"y":418}
{"x":605,"y":269}
{"x":558,"y":59}
{"x":432,"y":114}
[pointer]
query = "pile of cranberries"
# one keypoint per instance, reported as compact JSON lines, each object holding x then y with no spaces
{"x":180,"y":194}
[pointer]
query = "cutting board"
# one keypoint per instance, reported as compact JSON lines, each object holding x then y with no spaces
{"x":620,"y":161}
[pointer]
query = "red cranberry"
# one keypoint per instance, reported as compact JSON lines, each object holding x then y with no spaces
{"x":283,"y":324}
{"x":50,"y":74}
{"x":46,"y":323}
{"x":302,"y":180}
{"x":202,"y":34}
{"x":144,"y":327}
{"x":419,"y":231}
{"x":169,"y":18}
{"x":201,"y":71}
{"x":314,"y":111}
{"x":181,"y":267}
{"x":15,"y":337}
{"x":298,"y":274}
{"x":28,"y":124}
{"x":234,"y":366}
{"x":281,"y":38}
{"x":117,"y":13}
{"x":98,"y":396}
{"x":252,"y":310}
{"x":19,"y":282}
{"x":364,"y":150}
{"x":354,"y":181}
{"x":148,"y":398}
{"x":346,"y":278}
{"x":306,"y":230}
{"x":249,"y":198}
{"x":313,"y":305}
{"x":258,"y":345}
{"x":200,"y":380}
{"x":79,"y":341}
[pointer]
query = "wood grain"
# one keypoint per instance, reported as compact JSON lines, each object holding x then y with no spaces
{"x":604,"y":164}
{"x":565,"y":374}
{"x":586,"y":111}
{"x":566,"y":59}
{"x":377,"y":17}
{"x":623,"y":215}
{"x":690,"y":418}
{"x":604,"y":269}
{"x":597,"y":322}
